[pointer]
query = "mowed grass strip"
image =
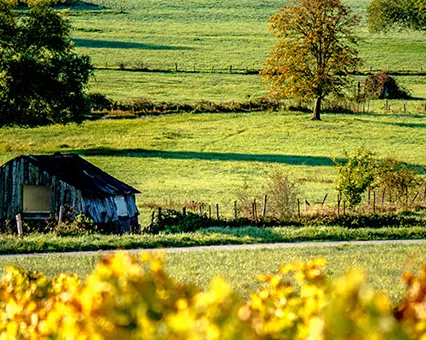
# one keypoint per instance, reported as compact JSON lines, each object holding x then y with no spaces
{"x":383,"y":263}
{"x":45,"y":243}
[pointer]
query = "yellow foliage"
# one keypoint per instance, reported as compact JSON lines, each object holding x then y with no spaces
{"x":130,"y":298}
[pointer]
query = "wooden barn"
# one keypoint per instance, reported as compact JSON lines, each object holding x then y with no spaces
{"x":45,"y":187}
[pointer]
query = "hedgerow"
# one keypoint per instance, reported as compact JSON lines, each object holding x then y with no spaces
{"x":129,"y":298}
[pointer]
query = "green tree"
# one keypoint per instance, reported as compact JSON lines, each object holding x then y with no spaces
{"x":383,"y":15}
{"x":356,"y":175}
{"x":42,"y":79}
{"x":315,"y":53}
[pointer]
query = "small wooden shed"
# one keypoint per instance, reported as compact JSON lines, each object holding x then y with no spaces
{"x":40,"y":186}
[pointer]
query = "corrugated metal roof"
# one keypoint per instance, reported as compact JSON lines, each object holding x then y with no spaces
{"x":81,"y":174}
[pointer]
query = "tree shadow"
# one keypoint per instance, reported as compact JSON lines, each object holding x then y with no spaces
{"x":123,"y":45}
{"x":81,"y":6}
{"x":211,"y":156}
{"x":407,"y":125}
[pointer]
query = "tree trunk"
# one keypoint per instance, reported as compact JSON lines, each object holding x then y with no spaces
{"x":316,"y":115}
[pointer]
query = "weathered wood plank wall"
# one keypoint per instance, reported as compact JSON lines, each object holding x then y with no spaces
{"x":19,"y":172}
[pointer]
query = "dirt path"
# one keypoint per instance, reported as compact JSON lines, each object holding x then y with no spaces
{"x":235,"y":247}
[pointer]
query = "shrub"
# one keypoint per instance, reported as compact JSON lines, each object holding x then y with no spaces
{"x":399,"y":179}
{"x":100,"y":102}
{"x":356,"y":175}
{"x":282,"y":193}
{"x":172,"y":221}
{"x":382,"y":85}
{"x":81,"y":225}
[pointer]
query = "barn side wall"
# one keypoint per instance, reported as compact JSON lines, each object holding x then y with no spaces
{"x":101,"y":210}
{"x":104,"y":210}
{"x":15,"y":174}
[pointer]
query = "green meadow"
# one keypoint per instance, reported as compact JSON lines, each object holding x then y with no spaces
{"x":173,"y":159}
{"x":208,"y":37}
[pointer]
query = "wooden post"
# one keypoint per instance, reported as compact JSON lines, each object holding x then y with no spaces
{"x":405,"y":108}
{"x":159,"y":213}
{"x":235,"y":210}
{"x":406,"y":199}
{"x":424,"y":198}
{"x":19,"y":226}
{"x":374,"y":202}
{"x":217,"y":211}
{"x":176,"y":67}
{"x":323,"y":200}
{"x":338,"y":203}
{"x":298,"y":207}
{"x":414,"y":199}
{"x":369,"y":196}
{"x":61,"y":211}
{"x":254,"y":208}
{"x":201,"y":210}
{"x":230,"y":69}
{"x":265,"y":200}
{"x":210,"y":211}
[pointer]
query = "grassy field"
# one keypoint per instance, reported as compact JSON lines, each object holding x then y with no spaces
{"x":383,"y":264}
{"x":215,"y":87}
{"x":204,"y":36}
{"x":207,"y":158}
{"x":39,"y":243}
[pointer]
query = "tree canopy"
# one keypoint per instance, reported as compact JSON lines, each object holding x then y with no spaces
{"x":42,"y":79}
{"x":383,"y":15}
{"x":316,"y":50}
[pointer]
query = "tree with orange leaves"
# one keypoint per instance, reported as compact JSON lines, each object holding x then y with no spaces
{"x":315,"y":53}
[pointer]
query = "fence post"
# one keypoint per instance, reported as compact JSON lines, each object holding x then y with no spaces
{"x":254,"y":208}
{"x":425,"y":195}
{"x":298,"y":207}
{"x":414,"y":199}
{"x":265,"y":200}
{"x":19,"y":226}
{"x":323,"y":200}
{"x":217,"y":211}
{"x":201,"y":210}
{"x":61,"y":211}
{"x":235,"y":210}
{"x":374,"y":202}
{"x":369,"y":196}
{"x":338,"y":204}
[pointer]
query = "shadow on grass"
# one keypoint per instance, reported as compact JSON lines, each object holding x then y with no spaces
{"x":407,"y":125}
{"x":123,"y":44}
{"x":210,"y":156}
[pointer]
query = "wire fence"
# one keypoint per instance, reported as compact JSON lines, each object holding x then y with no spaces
{"x":228,"y":69}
